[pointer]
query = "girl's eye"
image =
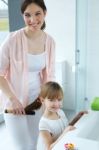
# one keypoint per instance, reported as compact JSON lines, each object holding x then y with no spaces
{"x":51,"y":100}
{"x":59,"y":99}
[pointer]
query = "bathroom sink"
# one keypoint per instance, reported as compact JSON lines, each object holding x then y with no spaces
{"x":86,"y":134}
{"x":90,"y":126}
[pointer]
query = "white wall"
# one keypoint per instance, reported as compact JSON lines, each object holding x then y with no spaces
{"x":93,"y":50}
{"x":60,"y":23}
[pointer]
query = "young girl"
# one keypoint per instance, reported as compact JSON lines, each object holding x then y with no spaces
{"x":53,"y":123}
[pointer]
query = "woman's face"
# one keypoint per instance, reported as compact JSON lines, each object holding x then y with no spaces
{"x":34,"y":17}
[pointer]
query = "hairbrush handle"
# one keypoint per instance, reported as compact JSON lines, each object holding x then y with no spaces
{"x":27,"y":112}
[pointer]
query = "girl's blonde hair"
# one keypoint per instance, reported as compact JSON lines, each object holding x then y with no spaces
{"x":50,"y":90}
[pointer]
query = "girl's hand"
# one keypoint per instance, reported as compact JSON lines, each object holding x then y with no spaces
{"x":82,"y":113}
{"x":69,"y":128}
{"x":77,"y":117}
{"x":16,"y":107}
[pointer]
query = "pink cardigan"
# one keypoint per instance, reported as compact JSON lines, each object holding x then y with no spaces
{"x":13,"y":63}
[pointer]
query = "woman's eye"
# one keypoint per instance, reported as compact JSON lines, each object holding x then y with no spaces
{"x":27,"y":15}
{"x":50,"y":100}
{"x":37,"y":14}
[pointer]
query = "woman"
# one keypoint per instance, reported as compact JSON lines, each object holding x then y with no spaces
{"x":27,"y":60}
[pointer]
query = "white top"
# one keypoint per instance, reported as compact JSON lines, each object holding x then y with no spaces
{"x":55,"y":127}
{"x":35,"y":64}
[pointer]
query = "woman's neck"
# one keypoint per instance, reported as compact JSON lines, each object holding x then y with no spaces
{"x":33,"y":35}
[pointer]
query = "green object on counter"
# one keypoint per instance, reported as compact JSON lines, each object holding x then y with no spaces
{"x":95,"y":104}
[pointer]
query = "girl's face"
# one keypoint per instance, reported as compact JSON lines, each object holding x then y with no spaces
{"x":52,"y":105}
{"x":34,"y":17}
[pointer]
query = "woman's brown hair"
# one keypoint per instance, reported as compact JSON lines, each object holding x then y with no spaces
{"x":40,"y":3}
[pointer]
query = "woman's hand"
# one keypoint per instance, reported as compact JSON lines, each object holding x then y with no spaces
{"x":16,"y":107}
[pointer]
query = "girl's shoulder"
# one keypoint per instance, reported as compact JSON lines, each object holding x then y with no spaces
{"x":61,"y":112}
{"x":44,"y":124}
{"x":43,"y":120}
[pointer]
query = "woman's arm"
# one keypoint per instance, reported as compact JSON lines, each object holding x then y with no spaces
{"x":17,"y":107}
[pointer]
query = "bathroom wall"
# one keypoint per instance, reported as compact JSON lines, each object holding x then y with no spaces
{"x":60,"y":23}
{"x":60,"y":20}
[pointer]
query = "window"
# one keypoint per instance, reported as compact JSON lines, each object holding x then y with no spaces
{"x":4,"y":24}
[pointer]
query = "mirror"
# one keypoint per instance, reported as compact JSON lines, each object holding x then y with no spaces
{"x":74,"y":25}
